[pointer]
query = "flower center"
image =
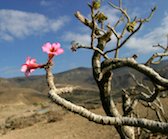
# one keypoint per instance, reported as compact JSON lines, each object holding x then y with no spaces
{"x":52,"y":49}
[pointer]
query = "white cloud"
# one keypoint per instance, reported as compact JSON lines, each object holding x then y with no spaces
{"x":81,"y":38}
{"x":84,"y":36}
{"x":19,"y":24}
{"x":144,"y":44}
{"x":45,"y":3}
{"x":111,"y":13}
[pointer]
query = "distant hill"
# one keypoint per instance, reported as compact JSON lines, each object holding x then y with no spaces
{"x":36,"y":86}
{"x":80,"y":76}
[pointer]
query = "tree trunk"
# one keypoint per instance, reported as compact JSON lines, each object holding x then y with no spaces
{"x":105,"y":87}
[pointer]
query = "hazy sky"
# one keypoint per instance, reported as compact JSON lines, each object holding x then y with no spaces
{"x":25,"y":25}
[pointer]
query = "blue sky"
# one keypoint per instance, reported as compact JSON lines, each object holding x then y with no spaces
{"x":25,"y":25}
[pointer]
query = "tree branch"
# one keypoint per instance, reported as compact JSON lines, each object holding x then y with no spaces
{"x":105,"y":120}
{"x":88,"y":23}
{"x":76,"y":46}
{"x":115,"y":63}
{"x":154,"y":56}
{"x":120,"y":9}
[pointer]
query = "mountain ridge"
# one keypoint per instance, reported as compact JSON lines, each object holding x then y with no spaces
{"x":80,"y":76}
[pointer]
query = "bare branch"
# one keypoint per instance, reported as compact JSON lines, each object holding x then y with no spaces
{"x":154,"y":56}
{"x":144,"y":123}
{"x":93,"y":26}
{"x":113,"y":30}
{"x":105,"y":120}
{"x":118,"y":21}
{"x":83,"y":19}
{"x":88,"y":23}
{"x":152,"y":99}
{"x":121,"y":10}
{"x":102,"y":70}
{"x":76,"y":46}
{"x":128,"y":104}
{"x":141,"y":21}
{"x":115,"y":63}
{"x":157,"y":55}
{"x":127,"y":38}
{"x":120,"y":3}
{"x":150,"y":15}
{"x":158,"y":45}
{"x":143,"y":96}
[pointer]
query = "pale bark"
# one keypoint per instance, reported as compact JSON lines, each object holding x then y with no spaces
{"x":102,"y":72}
{"x":112,"y":64}
{"x":151,"y":125}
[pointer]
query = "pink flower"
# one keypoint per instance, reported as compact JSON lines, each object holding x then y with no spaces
{"x":30,"y":66}
{"x":52,"y":49}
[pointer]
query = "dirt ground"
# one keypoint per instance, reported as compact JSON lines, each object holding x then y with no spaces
{"x":50,"y":121}
{"x":66,"y":126}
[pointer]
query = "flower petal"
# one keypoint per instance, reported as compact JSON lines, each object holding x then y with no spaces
{"x":28,"y":60}
{"x":46,"y":47}
{"x":56,"y":45}
{"x":31,"y":70}
{"x":30,"y":66}
{"x":24,"y":68}
{"x":59,"y":51}
{"x":32,"y":61}
{"x":27,"y":73}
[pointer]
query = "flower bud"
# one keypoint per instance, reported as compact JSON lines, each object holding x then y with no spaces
{"x":96,"y":5}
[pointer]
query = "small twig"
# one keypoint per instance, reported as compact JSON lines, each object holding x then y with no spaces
{"x":157,"y":55}
{"x":121,"y":10}
{"x":118,"y":21}
{"x":76,"y":46}
{"x":113,"y":30}
{"x":127,"y":38}
{"x":140,"y":84}
{"x":120,"y":3}
{"x":141,"y":21}
{"x":93,"y":26}
{"x":149,"y":17}
{"x":117,"y":50}
{"x":152,"y":99}
{"x":158,"y":45}
{"x":128,"y":104}
{"x":154,"y":56}
{"x":143,"y":96}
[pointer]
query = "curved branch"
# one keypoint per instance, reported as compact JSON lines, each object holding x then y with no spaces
{"x":76,"y":46}
{"x":115,"y":63}
{"x":154,"y":126}
{"x":154,"y":56}
{"x":106,"y":120}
